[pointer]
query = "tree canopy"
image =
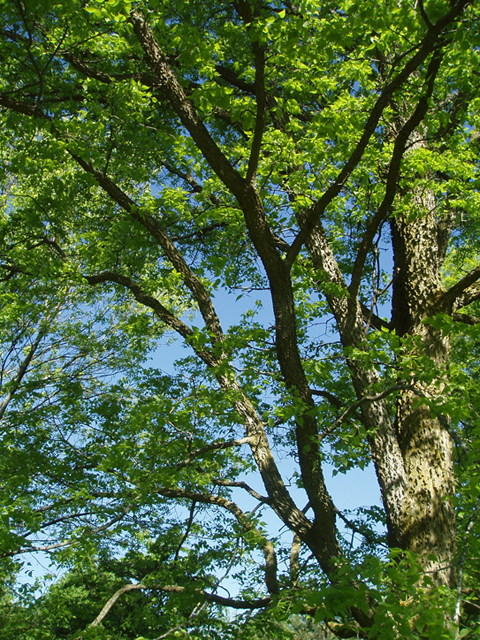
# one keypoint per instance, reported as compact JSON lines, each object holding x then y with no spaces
{"x":319,"y":163}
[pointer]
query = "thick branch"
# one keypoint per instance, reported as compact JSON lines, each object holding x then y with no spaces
{"x":375,"y":321}
{"x":393,"y":172}
{"x":464,"y":292}
{"x":21,"y":107}
{"x":88,"y":70}
{"x":198,"y":290}
{"x":294,"y":557}
{"x":428,"y":44}
{"x":149,"y":301}
{"x":466,"y":318}
{"x":227,"y":602}
{"x":232,"y":78}
{"x":214,"y":446}
{"x":187,"y":177}
{"x":328,"y":396}
{"x":243,"y":519}
{"x":423,"y":13}
{"x":167,"y":81}
{"x":271,"y":566}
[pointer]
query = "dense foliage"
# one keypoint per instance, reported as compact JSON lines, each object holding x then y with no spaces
{"x":310,"y":170}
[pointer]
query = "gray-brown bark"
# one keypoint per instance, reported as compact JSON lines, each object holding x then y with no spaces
{"x":426,"y":445}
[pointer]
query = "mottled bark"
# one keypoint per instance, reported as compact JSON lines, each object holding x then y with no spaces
{"x":426,"y":445}
{"x":413,"y":455}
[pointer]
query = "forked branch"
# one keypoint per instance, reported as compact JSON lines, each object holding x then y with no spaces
{"x":429,"y":43}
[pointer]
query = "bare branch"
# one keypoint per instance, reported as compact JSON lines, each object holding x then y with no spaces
{"x":109,"y":604}
{"x":227,"y":602}
{"x":242,"y":485}
{"x":187,"y":530}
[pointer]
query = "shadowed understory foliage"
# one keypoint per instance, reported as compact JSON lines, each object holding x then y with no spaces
{"x":318,"y":162}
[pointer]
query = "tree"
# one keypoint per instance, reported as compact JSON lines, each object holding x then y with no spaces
{"x":154,"y":154}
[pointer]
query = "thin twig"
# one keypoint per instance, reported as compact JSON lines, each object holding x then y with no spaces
{"x":356,"y":405}
{"x":187,"y":530}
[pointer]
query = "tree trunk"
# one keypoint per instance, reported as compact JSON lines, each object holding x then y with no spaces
{"x":413,"y":455}
{"x":426,"y":446}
